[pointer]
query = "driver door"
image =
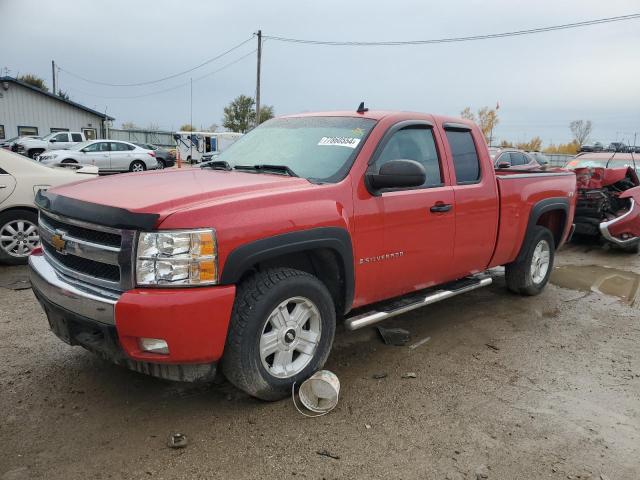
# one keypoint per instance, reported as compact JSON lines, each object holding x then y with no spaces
{"x":97,"y":154}
{"x":418,"y":224}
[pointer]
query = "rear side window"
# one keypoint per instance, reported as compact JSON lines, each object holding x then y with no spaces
{"x":518,"y":159}
{"x":61,"y":137}
{"x":465,"y":156}
{"x":76,"y":137}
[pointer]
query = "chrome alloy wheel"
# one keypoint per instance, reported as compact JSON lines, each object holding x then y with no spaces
{"x":137,"y":167}
{"x":540,"y":262}
{"x":19,"y":237}
{"x":290,"y":337}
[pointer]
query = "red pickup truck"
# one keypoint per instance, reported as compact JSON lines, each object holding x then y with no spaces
{"x":249,"y":263}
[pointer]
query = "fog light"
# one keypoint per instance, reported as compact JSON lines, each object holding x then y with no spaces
{"x":154,"y":345}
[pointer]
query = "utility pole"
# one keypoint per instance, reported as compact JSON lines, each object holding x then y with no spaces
{"x":53,"y":74}
{"x":258,"y":78}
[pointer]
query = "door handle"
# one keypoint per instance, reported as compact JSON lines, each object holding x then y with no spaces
{"x":3,"y":186}
{"x":441,"y":207}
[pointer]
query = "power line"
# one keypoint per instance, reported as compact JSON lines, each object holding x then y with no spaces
{"x":150,"y":82}
{"x":227,"y":65}
{"x":565,"y":26}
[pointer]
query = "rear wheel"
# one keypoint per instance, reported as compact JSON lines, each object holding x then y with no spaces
{"x":18,"y":236}
{"x":530,"y":274}
{"x":281,"y":332}
{"x":137,"y":166}
{"x":161,"y":165}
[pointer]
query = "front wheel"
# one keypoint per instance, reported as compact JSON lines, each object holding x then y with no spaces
{"x":633,"y":249}
{"x":137,"y":166}
{"x":530,"y":274}
{"x":18,"y":236}
{"x":281,"y":331}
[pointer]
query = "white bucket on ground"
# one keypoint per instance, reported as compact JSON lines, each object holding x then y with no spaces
{"x":320,"y":392}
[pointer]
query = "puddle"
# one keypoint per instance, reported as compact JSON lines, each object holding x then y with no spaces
{"x":594,"y":278}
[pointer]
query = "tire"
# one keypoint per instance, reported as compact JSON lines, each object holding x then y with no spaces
{"x":12,"y":223}
{"x":161,"y":165}
{"x":137,"y":166}
{"x":526,"y":276}
{"x":633,"y":249}
{"x":34,"y":153}
{"x":254,"y":322}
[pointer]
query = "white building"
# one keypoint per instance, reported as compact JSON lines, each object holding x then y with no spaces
{"x":27,"y":110}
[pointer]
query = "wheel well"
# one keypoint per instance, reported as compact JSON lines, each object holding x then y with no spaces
{"x":26,"y":207}
{"x":323,"y":263}
{"x":555,"y":221}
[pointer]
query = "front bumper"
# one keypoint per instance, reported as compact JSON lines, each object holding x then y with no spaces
{"x":193,"y":322}
{"x":624,"y":230}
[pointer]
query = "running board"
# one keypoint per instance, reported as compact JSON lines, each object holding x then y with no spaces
{"x":413,"y":301}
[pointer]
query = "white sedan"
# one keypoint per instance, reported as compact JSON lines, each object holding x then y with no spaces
{"x":107,"y":155}
{"x":20,"y":179}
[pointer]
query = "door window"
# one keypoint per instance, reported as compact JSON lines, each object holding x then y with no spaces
{"x":76,"y":137}
{"x":518,"y":159}
{"x":465,"y":156}
{"x":120,"y":147}
{"x":414,"y":143}
{"x":504,"y":158}
{"x":97,"y":147}
{"x":61,"y":137}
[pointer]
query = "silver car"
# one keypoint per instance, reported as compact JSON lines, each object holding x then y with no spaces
{"x":107,"y":155}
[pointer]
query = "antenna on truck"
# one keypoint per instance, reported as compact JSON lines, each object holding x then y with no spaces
{"x":362,"y":108}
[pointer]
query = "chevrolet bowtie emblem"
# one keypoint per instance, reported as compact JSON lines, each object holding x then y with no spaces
{"x":58,"y":242}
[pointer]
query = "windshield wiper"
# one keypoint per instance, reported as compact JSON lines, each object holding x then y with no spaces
{"x":217,"y":165}
{"x":282,"y":169}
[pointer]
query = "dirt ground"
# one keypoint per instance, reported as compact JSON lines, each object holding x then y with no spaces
{"x":507,"y":387}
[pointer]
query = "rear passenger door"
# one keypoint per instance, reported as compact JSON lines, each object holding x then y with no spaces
{"x":121,"y":156}
{"x":476,"y":200}
{"x":418,"y":223}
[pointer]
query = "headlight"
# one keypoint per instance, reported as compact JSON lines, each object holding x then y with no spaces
{"x":184,"y":257}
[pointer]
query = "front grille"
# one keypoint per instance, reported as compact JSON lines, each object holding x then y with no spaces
{"x":88,"y":252}
{"x":95,"y":269}
{"x":95,"y":236}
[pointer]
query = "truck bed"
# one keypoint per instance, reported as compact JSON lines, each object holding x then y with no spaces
{"x":518,"y":191}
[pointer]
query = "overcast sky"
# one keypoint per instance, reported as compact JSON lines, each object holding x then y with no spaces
{"x":542,"y":81}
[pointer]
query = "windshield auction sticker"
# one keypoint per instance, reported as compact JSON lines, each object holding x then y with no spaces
{"x":340,"y":141}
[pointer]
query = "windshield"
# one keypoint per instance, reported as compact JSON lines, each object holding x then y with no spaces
{"x":316,"y":148}
{"x":80,"y":146}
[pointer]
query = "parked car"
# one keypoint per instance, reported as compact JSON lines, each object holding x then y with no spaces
{"x":513,"y":158}
{"x":617,"y":147}
{"x":592,"y":147}
{"x":608,"y":199}
{"x":32,"y":147}
{"x":541,"y":158}
{"x":20,"y":180}
{"x":306,"y":221}
{"x":107,"y":155}
{"x":166,"y":158}
{"x":7,"y":144}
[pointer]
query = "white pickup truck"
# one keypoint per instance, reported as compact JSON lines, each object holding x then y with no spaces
{"x":32,"y":147}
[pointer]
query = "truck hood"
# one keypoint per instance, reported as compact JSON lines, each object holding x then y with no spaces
{"x":166,"y":192}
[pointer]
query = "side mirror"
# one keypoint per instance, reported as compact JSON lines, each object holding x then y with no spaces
{"x":398,"y":174}
{"x":504,"y":165}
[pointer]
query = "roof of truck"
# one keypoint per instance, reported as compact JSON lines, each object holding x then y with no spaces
{"x":381,"y":114}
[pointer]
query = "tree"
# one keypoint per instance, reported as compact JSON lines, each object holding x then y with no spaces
{"x":240,"y":114}
{"x":187,"y":127}
{"x":34,"y":81}
{"x":266,"y":113}
{"x":533,"y":145}
{"x":505,"y":144}
{"x":581,"y":130}
{"x":63,"y":95}
{"x":570,"y":148}
{"x":487,"y":120}
{"x":129,"y":126}
{"x":468,"y":114}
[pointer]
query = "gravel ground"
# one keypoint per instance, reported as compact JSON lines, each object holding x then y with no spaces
{"x":507,"y":387}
